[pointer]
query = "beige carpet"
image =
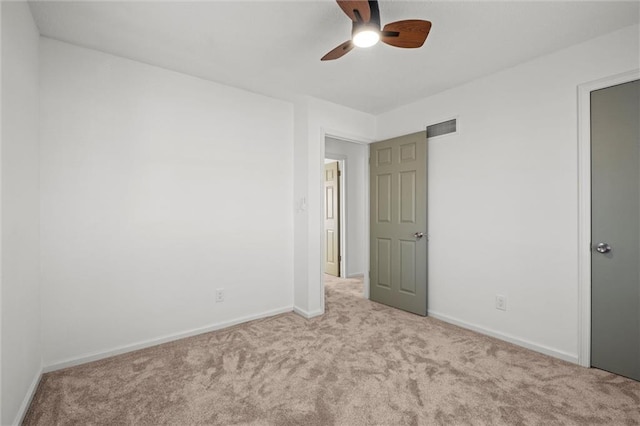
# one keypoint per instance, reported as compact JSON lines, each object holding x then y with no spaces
{"x":361,"y":363}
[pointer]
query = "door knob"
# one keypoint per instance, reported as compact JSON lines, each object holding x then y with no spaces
{"x":603,"y":248}
{"x":418,"y":235}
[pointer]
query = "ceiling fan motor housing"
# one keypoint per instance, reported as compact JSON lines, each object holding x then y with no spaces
{"x":374,"y":22}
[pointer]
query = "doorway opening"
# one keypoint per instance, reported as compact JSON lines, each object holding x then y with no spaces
{"x":344,"y":210}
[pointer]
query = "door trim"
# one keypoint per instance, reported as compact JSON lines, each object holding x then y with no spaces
{"x":584,"y":206}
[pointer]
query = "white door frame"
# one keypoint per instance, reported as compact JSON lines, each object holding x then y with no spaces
{"x":336,"y":134}
{"x":584,"y":207}
{"x":342,"y":213}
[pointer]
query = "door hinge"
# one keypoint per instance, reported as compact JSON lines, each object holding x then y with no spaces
{"x":339,"y":173}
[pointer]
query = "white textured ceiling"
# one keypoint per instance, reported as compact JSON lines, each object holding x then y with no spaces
{"x":275,"y":47}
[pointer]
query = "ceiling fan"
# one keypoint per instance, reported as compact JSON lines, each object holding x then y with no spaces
{"x":410,"y":33}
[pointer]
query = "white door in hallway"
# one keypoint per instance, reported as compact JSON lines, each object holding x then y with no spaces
{"x":331,"y":219}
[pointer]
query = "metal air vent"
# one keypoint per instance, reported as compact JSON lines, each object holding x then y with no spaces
{"x":444,"y":128}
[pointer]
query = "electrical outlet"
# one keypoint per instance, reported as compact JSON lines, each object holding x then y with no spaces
{"x":501,"y":302}
{"x":219,"y":295}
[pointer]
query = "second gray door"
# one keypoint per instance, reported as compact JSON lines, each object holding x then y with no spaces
{"x":398,"y":251}
{"x":615,"y":229}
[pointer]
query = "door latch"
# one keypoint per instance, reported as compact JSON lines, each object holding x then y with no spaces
{"x":603,"y":248}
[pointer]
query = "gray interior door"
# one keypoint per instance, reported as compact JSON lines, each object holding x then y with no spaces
{"x":398,"y":251}
{"x":615,"y":229}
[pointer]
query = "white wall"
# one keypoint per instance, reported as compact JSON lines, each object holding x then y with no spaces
{"x":157,"y":188}
{"x":300,"y":207}
{"x":316,"y":118}
{"x":356,"y":172}
{"x":503,"y":206}
{"x":21,"y":341}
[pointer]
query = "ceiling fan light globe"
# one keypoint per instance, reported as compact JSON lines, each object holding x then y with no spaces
{"x":366,"y":38}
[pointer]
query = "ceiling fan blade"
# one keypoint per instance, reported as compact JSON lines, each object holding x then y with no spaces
{"x":355,"y":8}
{"x":339,"y":51}
{"x":408,"y":34}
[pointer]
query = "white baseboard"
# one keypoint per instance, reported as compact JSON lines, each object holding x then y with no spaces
{"x":307,"y":315}
{"x":355,"y":275}
{"x":153,"y":342}
{"x":573,"y":358}
{"x":27,"y":399}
